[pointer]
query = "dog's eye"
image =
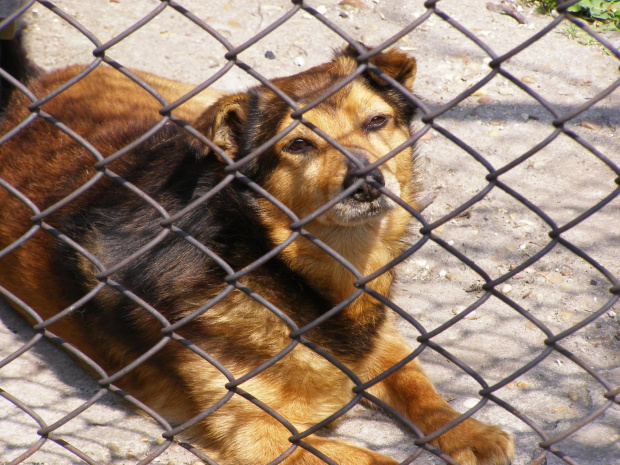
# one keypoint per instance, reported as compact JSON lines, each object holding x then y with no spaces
{"x":376,"y":122}
{"x":298,"y":145}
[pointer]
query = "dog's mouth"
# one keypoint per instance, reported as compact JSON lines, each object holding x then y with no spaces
{"x":352,"y":212}
{"x":367,"y":202}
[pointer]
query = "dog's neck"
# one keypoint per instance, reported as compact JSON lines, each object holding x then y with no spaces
{"x":367,"y":247}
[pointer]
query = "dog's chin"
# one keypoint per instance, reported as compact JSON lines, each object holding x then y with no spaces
{"x":351,"y":212}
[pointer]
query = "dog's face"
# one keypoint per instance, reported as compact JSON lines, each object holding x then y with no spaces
{"x":303,"y":169}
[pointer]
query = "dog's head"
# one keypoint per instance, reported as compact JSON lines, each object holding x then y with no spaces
{"x":367,"y":118}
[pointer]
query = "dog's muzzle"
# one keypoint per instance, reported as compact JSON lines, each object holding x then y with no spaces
{"x":368,"y":191}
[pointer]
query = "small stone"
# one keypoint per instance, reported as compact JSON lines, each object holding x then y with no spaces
{"x":572,"y":395}
{"x":459,"y":309}
{"x":160,"y":440}
{"x":506,"y":288}
{"x":486,"y":99}
{"x":321,"y":9}
{"x":144,"y":439}
{"x":270,"y":55}
{"x":443,"y":273}
{"x":530,"y":325}
{"x":471,"y":402}
{"x":343,"y":14}
{"x":528,"y":79}
{"x":592,"y":125}
{"x":525,"y":116}
{"x":114,"y":449}
{"x":453,"y":276}
{"x":593,"y":282}
{"x":352,"y":4}
{"x":523,"y":385}
{"x":510,"y":385}
{"x":611,"y":314}
{"x":299,"y":61}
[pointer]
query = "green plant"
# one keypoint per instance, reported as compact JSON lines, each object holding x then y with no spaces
{"x":604,"y":13}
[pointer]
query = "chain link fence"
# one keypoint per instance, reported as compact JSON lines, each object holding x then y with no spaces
{"x":431,"y":231}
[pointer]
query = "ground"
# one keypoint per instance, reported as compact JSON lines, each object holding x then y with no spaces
{"x":566,"y":69}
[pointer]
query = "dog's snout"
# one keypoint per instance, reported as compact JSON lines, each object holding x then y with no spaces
{"x":368,"y":190}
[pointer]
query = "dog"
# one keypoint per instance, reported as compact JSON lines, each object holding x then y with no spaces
{"x":194,"y":290}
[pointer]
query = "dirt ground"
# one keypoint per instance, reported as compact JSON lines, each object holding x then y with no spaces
{"x":500,"y":121}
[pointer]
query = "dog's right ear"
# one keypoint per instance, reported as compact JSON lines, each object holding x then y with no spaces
{"x":224,"y":123}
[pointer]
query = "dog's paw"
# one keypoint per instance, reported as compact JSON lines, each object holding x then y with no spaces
{"x":474,"y":443}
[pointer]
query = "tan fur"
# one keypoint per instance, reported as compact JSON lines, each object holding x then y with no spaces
{"x":303,"y":387}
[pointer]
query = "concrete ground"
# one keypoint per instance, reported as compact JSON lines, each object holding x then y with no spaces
{"x":500,"y":121}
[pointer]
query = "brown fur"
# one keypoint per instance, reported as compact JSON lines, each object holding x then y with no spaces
{"x":303,"y":281}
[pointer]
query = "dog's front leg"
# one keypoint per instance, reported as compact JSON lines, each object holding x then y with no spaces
{"x":411,"y":393}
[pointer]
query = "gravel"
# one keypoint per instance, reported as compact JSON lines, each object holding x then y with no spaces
{"x":498,"y":233}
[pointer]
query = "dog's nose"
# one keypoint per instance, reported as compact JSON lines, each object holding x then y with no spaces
{"x":366,"y":192}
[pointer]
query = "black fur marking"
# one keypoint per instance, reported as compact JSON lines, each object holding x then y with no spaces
{"x":117,"y":223}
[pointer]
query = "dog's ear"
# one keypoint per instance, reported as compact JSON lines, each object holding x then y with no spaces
{"x":224,"y":123}
{"x":397,"y":65}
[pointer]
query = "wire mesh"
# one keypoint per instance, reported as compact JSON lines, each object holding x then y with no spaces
{"x":550,"y":444}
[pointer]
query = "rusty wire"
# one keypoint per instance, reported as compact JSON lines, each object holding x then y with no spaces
{"x":549,"y":444}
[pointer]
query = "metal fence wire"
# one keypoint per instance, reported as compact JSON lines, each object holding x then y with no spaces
{"x":549,"y":444}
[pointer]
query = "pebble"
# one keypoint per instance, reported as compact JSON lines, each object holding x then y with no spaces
{"x":270,"y":55}
{"x":471,"y":402}
{"x":160,"y":440}
{"x":523,"y":385}
{"x":506,"y":288}
{"x":592,"y":125}
{"x":530,"y":325}
{"x":472,"y":316}
{"x":443,"y":273}
{"x":528,"y":79}
{"x":114,"y":449}
{"x":611,"y":314}
{"x":352,"y":4}
{"x":486,"y":99}
{"x":299,"y":61}
{"x":321,"y":9}
{"x":572,"y":395}
{"x":555,"y":278}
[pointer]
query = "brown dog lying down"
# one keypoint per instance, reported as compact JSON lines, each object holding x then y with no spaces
{"x":174,"y":276}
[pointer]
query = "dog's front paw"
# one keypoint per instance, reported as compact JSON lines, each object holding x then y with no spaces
{"x":474,"y":443}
